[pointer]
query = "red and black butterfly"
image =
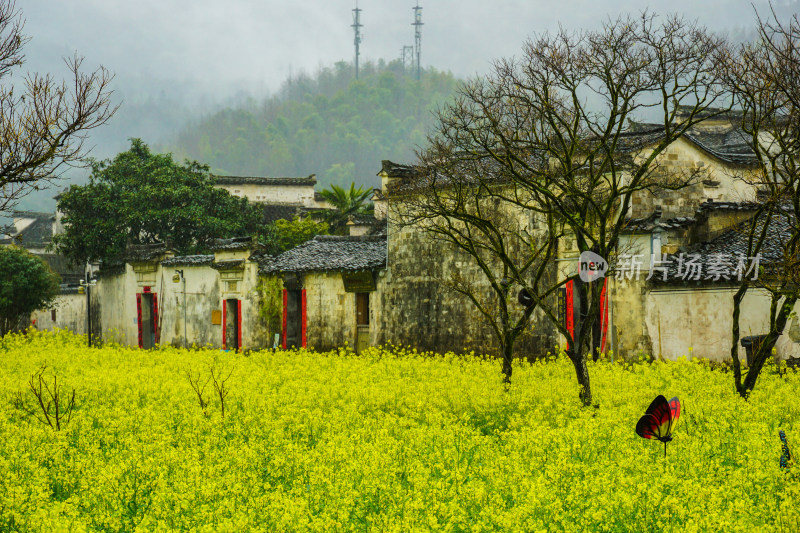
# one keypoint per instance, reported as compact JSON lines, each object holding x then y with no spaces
{"x":659,"y":420}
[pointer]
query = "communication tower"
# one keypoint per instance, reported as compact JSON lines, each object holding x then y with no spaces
{"x":417,"y":36}
{"x":357,"y":30}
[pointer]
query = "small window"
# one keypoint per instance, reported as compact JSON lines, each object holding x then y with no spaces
{"x":53,"y":315}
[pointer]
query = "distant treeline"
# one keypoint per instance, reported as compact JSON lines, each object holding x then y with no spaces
{"x":328,"y":124}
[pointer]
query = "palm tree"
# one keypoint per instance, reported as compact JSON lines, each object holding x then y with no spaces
{"x":345,"y":203}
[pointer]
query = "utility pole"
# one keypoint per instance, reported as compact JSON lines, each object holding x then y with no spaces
{"x":89,"y":307}
{"x":85,"y":287}
{"x":418,"y":36}
{"x":357,"y":30}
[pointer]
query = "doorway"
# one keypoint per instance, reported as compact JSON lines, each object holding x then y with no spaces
{"x":232,"y":324}
{"x":362,"y":321}
{"x":294,"y":318}
{"x":147,"y":311}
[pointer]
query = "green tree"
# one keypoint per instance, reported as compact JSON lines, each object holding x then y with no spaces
{"x":283,"y":235}
{"x":345,"y":202}
{"x":26,"y":284}
{"x":141,"y":198}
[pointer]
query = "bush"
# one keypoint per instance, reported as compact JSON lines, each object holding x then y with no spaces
{"x":26,"y":284}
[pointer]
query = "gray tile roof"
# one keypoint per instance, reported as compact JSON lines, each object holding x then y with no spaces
{"x":330,"y":253}
{"x":725,"y":250}
{"x":273,"y":212}
{"x":362,"y":219}
{"x":263,"y":180}
{"x":69,"y":272}
{"x":653,"y":221}
{"x":233,"y":264}
{"x":235,"y":243}
{"x":396,"y":170}
{"x":189,"y":260}
{"x":39,"y":233}
{"x":711,"y":205}
{"x":111,"y":269}
{"x":729,"y":146}
{"x":144,"y":252}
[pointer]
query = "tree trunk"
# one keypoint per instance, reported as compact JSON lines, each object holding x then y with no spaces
{"x":582,"y":373}
{"x":765,"y":349}
{"x":507,"y":347}
{"x":737,"y":366}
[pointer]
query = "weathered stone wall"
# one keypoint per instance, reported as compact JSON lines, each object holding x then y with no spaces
{"x":115,"y":300}
{"x":331,"y":311}
{"x":202,"y":298}
{"x":70,"y":311}
{"x":715,"y":180}
{"x":697,"y":323}
{"x":274,"y":194}
{"x":629,"y":336}
{"x":420,"y":310}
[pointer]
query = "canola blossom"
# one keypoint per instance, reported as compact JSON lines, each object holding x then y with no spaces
{"x":389,"y":440}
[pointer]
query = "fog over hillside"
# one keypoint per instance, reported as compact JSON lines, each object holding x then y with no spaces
{"x":176,"y":61}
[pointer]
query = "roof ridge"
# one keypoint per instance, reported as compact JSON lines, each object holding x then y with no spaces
{"x":348,"y":238}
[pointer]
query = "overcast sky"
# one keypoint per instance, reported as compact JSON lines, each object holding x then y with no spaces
{"x":177,"y":60}
{"x":218,"y":46}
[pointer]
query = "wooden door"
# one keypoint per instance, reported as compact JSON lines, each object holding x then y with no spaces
{"x":362,"y":321}
{"x":362,"y":308}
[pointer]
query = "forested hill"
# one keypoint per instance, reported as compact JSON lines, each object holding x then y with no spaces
{"x":330,"y":125}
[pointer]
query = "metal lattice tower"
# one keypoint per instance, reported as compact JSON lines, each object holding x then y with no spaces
{"x":357,"y":30}
{"x":408,"y":52}
{"x":417,"y":36}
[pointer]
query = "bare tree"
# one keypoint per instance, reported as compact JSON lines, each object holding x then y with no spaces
{"x":557,"y":124}
{"x":44,"y":122}
{"x":764,"y":77}
{"x":463,"y":204}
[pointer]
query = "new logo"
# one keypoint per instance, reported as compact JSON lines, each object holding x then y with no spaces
{"x":591,"y":266}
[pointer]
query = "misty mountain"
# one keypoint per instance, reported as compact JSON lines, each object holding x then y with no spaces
{"x":328,"y":124}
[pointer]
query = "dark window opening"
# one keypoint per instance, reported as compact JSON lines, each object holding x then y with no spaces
{"x":232,"y":324}
{"x":294,"y":318}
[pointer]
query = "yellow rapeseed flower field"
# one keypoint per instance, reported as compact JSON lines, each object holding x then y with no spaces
{"x":390,"y":440}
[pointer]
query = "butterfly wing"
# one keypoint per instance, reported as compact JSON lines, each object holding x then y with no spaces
{"x":657,"y":420}
{"x":674,"y":411}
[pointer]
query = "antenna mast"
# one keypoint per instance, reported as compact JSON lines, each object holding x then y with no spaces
{"x":357,"y":30}
{"x":417,"y":35}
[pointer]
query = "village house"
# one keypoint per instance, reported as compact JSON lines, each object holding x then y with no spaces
{"x":155,"y":297}
{"x":332,"y":291}
{"x":281,"y":198}
{"x":385,"y":281}
{"x":643,"y":314}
